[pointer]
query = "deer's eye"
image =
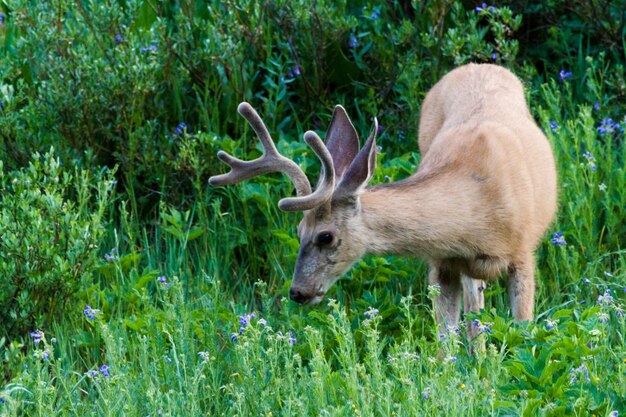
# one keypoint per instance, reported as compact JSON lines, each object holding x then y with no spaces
{"x":324,"y":238}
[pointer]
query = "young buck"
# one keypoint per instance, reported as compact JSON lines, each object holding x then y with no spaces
{"x":476,"y":208}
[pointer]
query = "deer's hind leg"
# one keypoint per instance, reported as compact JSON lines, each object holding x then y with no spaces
{"x":448,"y":302}
{"x":473,"y":301}
{"x":521,"y":286}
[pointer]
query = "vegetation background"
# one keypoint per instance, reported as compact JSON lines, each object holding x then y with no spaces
{"x":129,"y":287}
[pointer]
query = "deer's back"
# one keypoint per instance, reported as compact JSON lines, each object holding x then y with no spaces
{"x":476,"y":130}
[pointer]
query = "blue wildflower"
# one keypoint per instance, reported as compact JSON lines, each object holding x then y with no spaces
{"x":89,"y":312}
{"x":558,"y":239}
{"x":606,"y":298}
{"x":296,"y":70}
{"x":112,"y":256}
{"x":494,"y":56}
{"x":92,"y":373}
{"x":163,"y":280}
{"x":596,"y":106}
{"x":589,"y":157}
{"x":551,"y":324}
{"x":425,"y":395}
{"x":353,"y":42}
{"x":614,"y":413}
{"x":586,"y":281}
{"x":375,"y":14}
{"x":37,"y":336}
{"x":607,"y":126}
{"x":45,"y":354}
{"x":371,"y":312}
{"x":118,"y":38}
{"x":1,"y":19}
{"x":105,"y":370}
{"x":262,"y":322}
{"x":151,"y":48}
{"x":292,"y":338}
{"x":233,"y":337}
{"x":2,"y":400}
{"x":564,"y":75}
{"x":482,"y":327}
{"x":181,"y":128}
{"x":553,"y":126}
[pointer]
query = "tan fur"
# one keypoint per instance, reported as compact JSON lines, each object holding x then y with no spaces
{"x":480,"y":201}
{"x":476,"y":208}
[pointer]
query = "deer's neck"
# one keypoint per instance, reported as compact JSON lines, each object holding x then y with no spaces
{"x":422,"y":217}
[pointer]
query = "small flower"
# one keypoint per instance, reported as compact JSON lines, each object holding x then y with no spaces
{"x":564,"y":75}
{"x":551,"y":324}
{"x":233,"y":337}
{"x":241,"y":329}
{"x":494,"y":56}
{"x":602,"y":187}
{"x":45,"y":354}
{"x":554,"y":126}
{"x":151,"y":48}
{"x":607,"y":126}
{"x":558,"y":239}
{"x":479,"y":9}
{"x":181,"y":128}
{"x":2,"y":24}
{"x":167,"y":359}
{"x":425,"y":395}
{"x":262,"y":322}
{"x":296,"y":70}
{"x":586,"y":281}
{"x":603,"y":317}
{"x":112,"y":256}
{"x":54,"y":340}
{"x":375,"y":14}
{"x":118,"y":38}
{"x":105,"y":370}
{"x":163,"y":280}
{"x":614,"y":413}
{"x":204,"y":356}
{"x":37,"y":336}
{"x":605,"y":299}
{"x":292,"y":338}
{"x":353,"y":42}
{"x":451,"y":359}
{"x":596,"y":106}
{"x":89,"y":312}
{"x":589,"y":157}
{"x":371,"y":312}
{"x":1,"y":399}
{"x":482,"y":327}
{"x":92,"y":373}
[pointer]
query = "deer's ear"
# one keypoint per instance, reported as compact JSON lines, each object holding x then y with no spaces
{"x":342,"y":141}
{"x":360,"y":170}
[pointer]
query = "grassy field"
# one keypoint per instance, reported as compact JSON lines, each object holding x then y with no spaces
{"x":179,"y":306}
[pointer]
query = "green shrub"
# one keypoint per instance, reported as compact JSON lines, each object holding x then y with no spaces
{"x":52,"y":220}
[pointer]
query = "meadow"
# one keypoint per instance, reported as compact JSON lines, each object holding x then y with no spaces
{"x":129,"y":286}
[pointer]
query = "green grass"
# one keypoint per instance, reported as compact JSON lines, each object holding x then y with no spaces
{"x":170,"y":350}
{"x":188,"y":285}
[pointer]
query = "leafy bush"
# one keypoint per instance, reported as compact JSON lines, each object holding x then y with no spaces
{"x":52,"y":221}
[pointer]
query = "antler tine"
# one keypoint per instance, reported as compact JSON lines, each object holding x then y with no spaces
{"x":273,"y":161}
{"x":270,"y":161}
{"x":326,"y":186}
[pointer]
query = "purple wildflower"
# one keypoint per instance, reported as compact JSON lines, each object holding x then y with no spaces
{"x":564,"y":75}
{"x":607,"y":126}
{"x":118,"y":38}
{"x":151,"y":48}
{"x":494,"y":56}
{"x":89,"y":312}
{"x":353,"y":42}
{"x":37,"y":336}
{"x":1,"y":400}
{"x":375,"y":14}
{"x":262,"y":322}
{"x":163,"y":280}
{"x":233,"y":337}
{"x":181,"y":128}
{"x":112,"y":256}
{"x":596,"y":106}
{"x":45,"y":354}
{"x":482,"y":327}
{"x":586,"y":281}
{"x":92,"y":373}
{"x":425,"y":395}
{"x":296,"y":70}
{"x":606,"y":299}
{"x":551,"y":324}
{"x":558,"y":239}
{"x":614,"y":413}
{"x":105,"y":370}
{"x":371,"y":312}
{"x":1,"y":19}
{"x":554,"y":126}
{"x":292,"y":338}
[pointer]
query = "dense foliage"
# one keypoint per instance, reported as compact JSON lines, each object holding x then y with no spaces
{"x":128,"y":286}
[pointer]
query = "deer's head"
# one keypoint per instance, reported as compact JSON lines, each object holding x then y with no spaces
{"x":329,"y":231}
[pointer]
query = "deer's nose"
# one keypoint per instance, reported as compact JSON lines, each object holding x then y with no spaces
{"x":297,"y":296}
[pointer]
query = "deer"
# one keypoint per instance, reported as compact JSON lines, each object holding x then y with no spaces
{"x":476,"y":208}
